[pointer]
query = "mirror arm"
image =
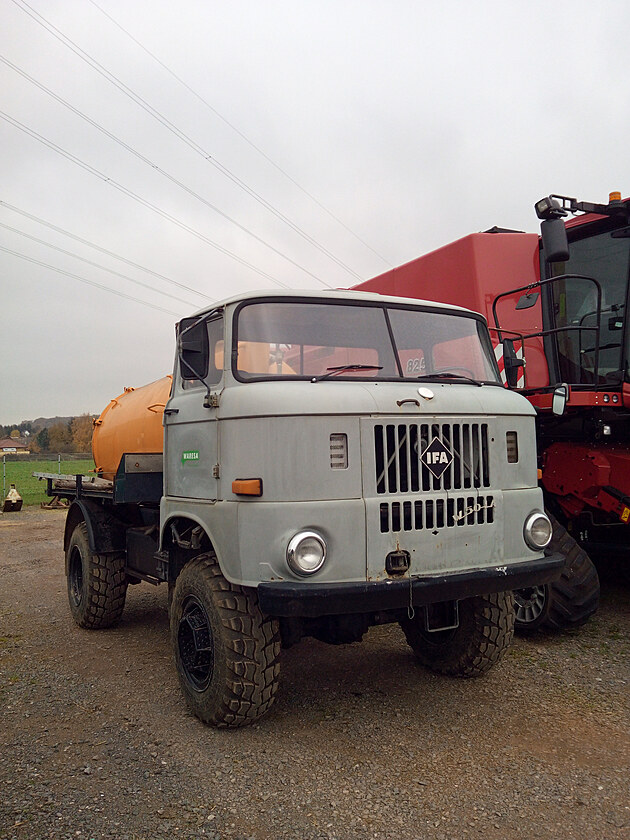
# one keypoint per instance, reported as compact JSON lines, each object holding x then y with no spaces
{"x":511,"y":362}
{"x":203,"y":319}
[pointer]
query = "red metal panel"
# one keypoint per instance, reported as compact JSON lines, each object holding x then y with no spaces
{"x":580,"y":399}
{"x":471,"y":272}
{"x":582,"y":476}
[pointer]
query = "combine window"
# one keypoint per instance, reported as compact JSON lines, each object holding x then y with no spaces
{"x":606,"y":258}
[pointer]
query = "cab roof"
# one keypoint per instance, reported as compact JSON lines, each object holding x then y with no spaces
{"x":332,"y":295}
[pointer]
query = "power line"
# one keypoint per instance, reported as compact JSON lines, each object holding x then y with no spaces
{"x":88,"y":282}
{"x":154,"y":166}
{"x":102,"y":250}
{"x":95,"y":65}
{"x":145,"y":203}
{"x":93,"y":264}
{"x":241,"y":134}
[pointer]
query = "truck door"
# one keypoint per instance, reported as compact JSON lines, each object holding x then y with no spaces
{"x":190,"y":422}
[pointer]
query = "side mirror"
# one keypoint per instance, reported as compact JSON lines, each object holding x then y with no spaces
{"x":527,"y":300}
{"x":555,"y":242}
{"x":511,"y":362}
{"x":560,"y":398}
{"x":193,"y":348}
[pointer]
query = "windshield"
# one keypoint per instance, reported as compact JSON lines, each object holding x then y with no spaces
{"x":314,"y":339}
{"x":606,"y":258}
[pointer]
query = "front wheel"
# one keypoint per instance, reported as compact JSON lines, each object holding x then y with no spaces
{"x":226,"y":650}
{"x":486,"y":628}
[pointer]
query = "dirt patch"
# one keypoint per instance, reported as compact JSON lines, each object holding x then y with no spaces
{"x":96,"y":742}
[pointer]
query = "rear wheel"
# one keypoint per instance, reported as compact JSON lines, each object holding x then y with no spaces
{"x":486,"y":627}
{"x":567,"y":602}
{"x":97,"y":584}
{"x":226,"y":650}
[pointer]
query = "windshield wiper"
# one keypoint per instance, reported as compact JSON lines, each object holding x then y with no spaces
{"x":333,"y":371}
{"x":450,"y":375}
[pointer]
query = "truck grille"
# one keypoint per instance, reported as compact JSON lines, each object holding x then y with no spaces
{"x":398,"y":447}
{"x":428,"y":514}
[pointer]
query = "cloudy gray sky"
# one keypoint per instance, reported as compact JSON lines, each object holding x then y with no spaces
{"x":162,"y":133}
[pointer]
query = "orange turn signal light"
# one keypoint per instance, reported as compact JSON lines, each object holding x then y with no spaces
{"x":539,"y":474}
{"x":247,"y":486}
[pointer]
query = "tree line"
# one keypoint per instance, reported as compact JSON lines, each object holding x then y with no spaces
{"x":72,"y":436}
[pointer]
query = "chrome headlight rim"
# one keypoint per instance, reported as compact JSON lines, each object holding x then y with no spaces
{"x":528,"y":530}
{"x":293,"y":547}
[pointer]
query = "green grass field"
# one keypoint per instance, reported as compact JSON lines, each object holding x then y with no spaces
{"x":32,"y":490}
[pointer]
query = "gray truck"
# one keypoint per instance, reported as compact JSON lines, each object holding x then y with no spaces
{"x":331,"y":461}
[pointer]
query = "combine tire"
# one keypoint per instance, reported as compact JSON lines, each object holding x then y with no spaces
{"x":226,"y":650}
{"x":486,"y":627}
{"x":567,"y":602}
{"x":532,"y":608}
{"x":97,"y":584}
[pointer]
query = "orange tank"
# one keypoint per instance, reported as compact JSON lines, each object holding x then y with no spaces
{"x":132,"y":422}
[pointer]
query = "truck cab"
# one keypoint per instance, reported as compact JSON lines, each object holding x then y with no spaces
{"x":345,"y":414}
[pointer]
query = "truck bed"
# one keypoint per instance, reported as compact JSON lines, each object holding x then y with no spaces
{"x":76,"y":486}
{"x":138,"y":480}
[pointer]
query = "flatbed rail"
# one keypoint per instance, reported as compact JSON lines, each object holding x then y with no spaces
{"x":75,"y":486}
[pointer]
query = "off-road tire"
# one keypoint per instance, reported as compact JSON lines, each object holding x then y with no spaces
{"x":226,"y":650}
{"x":97,"y":584}
{"x":574,"y":597}
{"x":486,"y":628}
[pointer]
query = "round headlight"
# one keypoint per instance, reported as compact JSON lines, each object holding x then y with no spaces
{"x":306,"y":553}
{"x":537,"y":531}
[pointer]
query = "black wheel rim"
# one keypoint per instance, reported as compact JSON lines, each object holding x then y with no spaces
{"x":529,"y":603}
{"x":75,"y":577}
{"x":194,"y":641}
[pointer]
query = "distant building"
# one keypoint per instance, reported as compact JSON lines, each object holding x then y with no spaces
{"x":13,"y":446}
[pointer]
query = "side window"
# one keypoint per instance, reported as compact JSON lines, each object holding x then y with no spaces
{"x":216,"y":357}
{"x":215,"y":341}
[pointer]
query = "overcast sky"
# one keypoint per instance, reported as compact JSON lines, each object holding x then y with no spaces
{"x":376,"y":131}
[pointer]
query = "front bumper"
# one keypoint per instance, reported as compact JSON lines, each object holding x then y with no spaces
{"x":309,"y":600}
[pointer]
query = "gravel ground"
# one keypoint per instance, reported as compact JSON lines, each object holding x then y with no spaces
{"x":95,"y":740}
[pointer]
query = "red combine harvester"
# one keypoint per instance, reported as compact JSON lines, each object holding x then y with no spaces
{"x":556,"y":306}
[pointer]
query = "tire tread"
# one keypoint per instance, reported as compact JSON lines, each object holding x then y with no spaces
{"x":251,"y":642}
{"x":106,"y":585}
{"x":476,"y":648}
{"x":575,"y":595}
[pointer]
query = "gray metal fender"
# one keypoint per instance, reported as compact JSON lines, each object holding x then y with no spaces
{"x":105,"y":534}
{"x":219,"y":533}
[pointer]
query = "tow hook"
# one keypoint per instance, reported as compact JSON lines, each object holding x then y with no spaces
{"x":397,"y":562}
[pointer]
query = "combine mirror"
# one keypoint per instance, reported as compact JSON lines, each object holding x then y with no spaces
{"x":555,"y":243}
